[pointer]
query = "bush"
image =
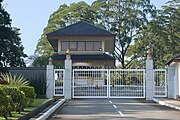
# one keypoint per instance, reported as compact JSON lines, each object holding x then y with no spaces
{"x":29,"y":93}
{"x":6,"y":104}
{"x":18,"y":97}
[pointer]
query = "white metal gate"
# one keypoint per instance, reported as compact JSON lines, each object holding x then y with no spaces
{"x":58,"y":82}
{"x":160,"y":83}
{"x":127,"y":83}
{"x":90,"y":83}
{"x":104,"y":83}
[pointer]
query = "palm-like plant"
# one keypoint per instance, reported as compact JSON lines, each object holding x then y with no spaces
{"x":14,"y":80}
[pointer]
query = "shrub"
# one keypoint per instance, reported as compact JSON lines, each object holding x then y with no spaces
{"x":14,"y":79}
{"x":18,"y":97}
{"x":29,"y":93}
{"x":6,"y":104}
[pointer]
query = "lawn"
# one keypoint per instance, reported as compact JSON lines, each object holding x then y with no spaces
{"x":16,"y":114}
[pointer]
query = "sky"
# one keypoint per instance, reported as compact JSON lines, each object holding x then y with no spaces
{"x":31,"y":16}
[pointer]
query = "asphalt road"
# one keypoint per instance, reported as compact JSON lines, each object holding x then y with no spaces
{"x":114,"y":109}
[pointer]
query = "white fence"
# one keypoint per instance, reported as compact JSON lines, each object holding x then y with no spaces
{"x":59,"y":82}
{"x":90,"y":83}
{"x":160,"y":83}
{"x":127,"y":83}
{"x":112,"y":83}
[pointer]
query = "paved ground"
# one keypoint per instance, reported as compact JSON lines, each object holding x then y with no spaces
{"x":114,"y":109}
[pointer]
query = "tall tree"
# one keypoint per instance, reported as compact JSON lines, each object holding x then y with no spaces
{"x":11,"y":49}
{"x":64,"y":16}
{"x":124,"y":18}
{"x":162,"y":35}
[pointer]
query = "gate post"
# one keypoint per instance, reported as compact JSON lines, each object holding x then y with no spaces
{"x":171,"y":80}
{"x":149,"y":76}
{"x":68,"y":76}
{"x":50,"y":79}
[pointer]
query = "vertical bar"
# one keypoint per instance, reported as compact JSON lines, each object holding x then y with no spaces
{"x":108,"y":83}
{"x":73,"y":82}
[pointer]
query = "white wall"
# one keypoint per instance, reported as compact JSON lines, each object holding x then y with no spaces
{"x":173,"y":80}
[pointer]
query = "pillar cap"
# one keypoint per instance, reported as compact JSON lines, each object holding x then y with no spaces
{"x":68,"y":52}
{"x":50,"y":61}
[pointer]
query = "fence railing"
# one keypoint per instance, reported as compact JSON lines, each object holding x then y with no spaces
{"x":160,"y":83}
{"x":59,"y":82}
{"x":113,"y":83}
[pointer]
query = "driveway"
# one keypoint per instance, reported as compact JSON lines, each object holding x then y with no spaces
{"x":114,"y":109}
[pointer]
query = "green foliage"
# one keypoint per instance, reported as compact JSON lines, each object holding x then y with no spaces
{"x":128,"y":20}
{"x":29,"y":93}
{"x":15,"y":99}
{"x":11,"y":49}
{"x":18,"y":97}
{"x":162,"y":35}
{"x":14,"y":80}
{"x":123,"y":18}
{"x":64,"y":16}
{"x":6,"y":104}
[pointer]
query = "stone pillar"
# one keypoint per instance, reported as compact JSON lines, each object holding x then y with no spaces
{"x":68,"y":76}
{"x":171,"y":82}
{"x":149,"y":76}
{"x":50,"y":81}
{"x":149,"y":80}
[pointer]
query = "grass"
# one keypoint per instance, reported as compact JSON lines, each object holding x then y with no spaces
{"x":15,"y":115}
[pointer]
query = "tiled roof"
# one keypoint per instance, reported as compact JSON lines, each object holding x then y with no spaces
{"x":80,"y":28}
{"x":84,"y":57}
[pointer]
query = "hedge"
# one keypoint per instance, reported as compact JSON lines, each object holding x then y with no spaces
{"x":29,"y":93}
{"x":15,"y":99}
{"x":6,"y":104}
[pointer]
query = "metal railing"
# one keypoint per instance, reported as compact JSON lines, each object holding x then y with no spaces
{"x":112,"y":83}
{"x":127,"y":83}
{"x":160,"y":83}
{"x":59,"y":82}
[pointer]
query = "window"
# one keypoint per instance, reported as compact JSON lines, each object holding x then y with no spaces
{"x":81,"y":46}
{"x":64,"y":46}
{"x":97,"y":46}
{"x":73,"y":46}
{"x":89,"y":46}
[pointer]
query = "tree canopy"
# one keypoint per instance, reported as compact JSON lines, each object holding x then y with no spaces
{"x":162,"y":35}
{"x":136,"y":24}
{"x":11,"y":49}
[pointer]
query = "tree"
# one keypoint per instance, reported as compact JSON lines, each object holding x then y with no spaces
{"x":64,"y":16}
{"x":162,"y":35}
{"x":123,"y":18}
{"x":11,"y":49}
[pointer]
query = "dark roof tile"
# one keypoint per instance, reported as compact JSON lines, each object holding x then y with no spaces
{"x":84,"y":57}
{"x":81,"y":28}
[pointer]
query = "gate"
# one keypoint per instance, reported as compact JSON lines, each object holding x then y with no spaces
{"x":90,"y":83}
{"x":58,"y":82}
{"x":127,"y":83}
{"x":160,"y":83}
{"x":104,"y":83}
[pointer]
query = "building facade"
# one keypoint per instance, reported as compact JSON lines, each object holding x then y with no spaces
{"x":90,"y":46}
